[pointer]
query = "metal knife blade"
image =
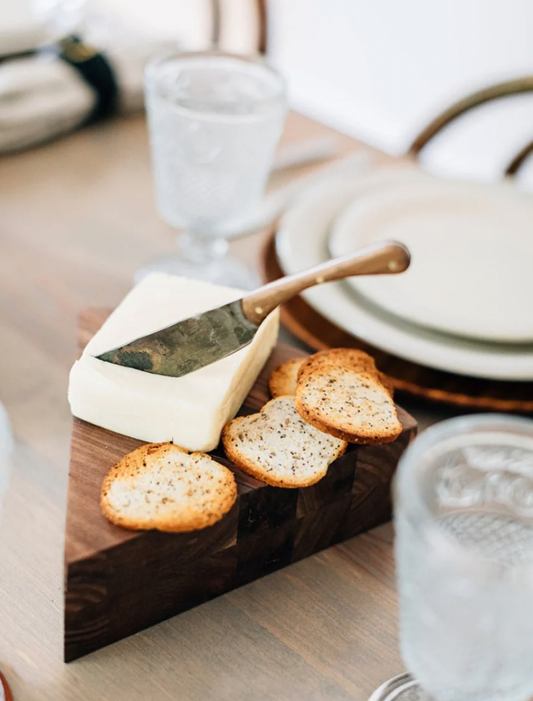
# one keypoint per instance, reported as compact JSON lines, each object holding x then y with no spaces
{"x":189,"y":344}
{"x":205,"y":338}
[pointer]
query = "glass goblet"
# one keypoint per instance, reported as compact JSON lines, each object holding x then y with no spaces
{"x":214,"y":123}
{"x":464,"y":550}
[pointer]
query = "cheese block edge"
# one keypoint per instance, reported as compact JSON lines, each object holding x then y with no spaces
{"x":191,"y":411}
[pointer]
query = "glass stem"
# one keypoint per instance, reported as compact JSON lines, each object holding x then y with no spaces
{"x":201,"y":248}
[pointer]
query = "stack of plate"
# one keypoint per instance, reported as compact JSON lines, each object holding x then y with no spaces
{"x":464,"y":306}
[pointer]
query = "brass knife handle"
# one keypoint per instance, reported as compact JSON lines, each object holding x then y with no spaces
{"x":385,"y":258}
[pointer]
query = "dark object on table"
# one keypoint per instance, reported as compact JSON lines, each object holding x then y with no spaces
{"x":50,"y":92}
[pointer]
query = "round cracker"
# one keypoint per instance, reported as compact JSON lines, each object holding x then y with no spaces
{"x":278,"y":447}
{"x":164,"y":487}
{"x":341,"y":392}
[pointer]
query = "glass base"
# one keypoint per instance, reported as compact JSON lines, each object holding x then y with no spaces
{"x":226,"y":271}
{"x":400,"y":688}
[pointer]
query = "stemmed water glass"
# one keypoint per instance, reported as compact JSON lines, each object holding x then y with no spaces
{"x":464,"y":550}
{"x":214,"y":123}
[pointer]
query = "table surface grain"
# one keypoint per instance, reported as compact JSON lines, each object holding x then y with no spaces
{"x":77,"y":218}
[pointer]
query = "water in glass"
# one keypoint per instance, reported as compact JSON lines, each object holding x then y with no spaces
{"x":464,"y":519}
{"x":214,"y":128}
{"x":215,"y":121}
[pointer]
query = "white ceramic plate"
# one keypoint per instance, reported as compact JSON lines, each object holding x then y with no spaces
{"x":472,"y":256}
{"x":302,"y":242}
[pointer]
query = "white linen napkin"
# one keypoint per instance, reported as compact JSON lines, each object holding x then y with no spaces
{"x":42,"y":96}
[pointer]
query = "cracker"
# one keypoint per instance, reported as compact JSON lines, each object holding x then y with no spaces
{"x":278,"y":447}
{"x":164,"y":487}
{"x":342,"y":393}
{"x":282,"y":381}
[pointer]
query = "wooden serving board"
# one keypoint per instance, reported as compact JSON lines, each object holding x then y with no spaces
{"x":119,"y":582}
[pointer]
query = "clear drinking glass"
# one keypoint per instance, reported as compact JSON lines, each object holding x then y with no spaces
{"x":214,"y":122}
{"x":6,"y":449}
{"x":464,"y":549}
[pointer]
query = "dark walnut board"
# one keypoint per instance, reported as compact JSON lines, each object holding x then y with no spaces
{"x":118,"y":582}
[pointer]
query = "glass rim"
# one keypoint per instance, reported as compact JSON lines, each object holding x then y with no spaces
{"x":175,"y":54}
{"x":440,"y":434}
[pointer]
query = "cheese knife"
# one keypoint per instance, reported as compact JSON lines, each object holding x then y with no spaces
{"x":193,"y":343}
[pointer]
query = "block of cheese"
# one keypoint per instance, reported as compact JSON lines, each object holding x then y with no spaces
{"x":189,"y":410}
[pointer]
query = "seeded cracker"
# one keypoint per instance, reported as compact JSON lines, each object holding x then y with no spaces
{"x":278,"y":447}
{"x":341,"y":392}
{"x":284,"y":378}
{"x":164,"y":487}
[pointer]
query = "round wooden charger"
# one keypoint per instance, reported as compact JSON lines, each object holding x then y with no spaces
{"x":435,"y":385}
{"x":4,"y":687}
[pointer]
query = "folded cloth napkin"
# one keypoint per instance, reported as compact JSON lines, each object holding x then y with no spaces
{"x":44,"y":95}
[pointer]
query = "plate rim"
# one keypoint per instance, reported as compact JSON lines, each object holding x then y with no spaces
{"x":402,"y":341}
{"x":342,"y":229}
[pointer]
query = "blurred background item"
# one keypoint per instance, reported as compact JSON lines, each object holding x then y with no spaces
{"x":70,"y":79}
{"x":381,"y":71}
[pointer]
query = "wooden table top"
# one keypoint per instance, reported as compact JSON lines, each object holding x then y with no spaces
{"x":77,"y":218}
